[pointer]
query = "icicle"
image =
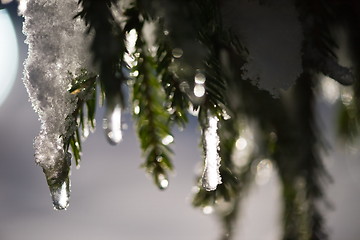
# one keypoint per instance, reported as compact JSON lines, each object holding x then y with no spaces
{"x":211,"y":175}
{"x":56,"y":47}
{"x":112,"y":124}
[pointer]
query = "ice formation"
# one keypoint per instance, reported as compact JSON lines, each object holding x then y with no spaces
{"x":112,"y":124}
{"x":211,"y":175}
{"x":56,"y":47}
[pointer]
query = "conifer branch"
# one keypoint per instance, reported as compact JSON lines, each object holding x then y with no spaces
{"x":84,"y":89}
{"x":150,"y":114}
{"x":108,"y":46}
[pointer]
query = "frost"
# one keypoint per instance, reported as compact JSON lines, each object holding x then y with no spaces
{"x":211,"y":175}
{"x":273,"y":35}
{"x":56,"y":47}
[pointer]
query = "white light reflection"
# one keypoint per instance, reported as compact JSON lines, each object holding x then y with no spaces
{"x":136,"y":110}
{"x":244,"y":147}
{"x":164,"y":183}
{"x":112,"y":125}
{"x":167,"y":140}
{"x":330,"y":89}
{"x":199,"y":90}
{"x":8,"y":55}
{"x":131,"y":39}
{"x":241,"y":143}
{"x":208,"y":210}
{"x":177,"y":52}
{"x":61,"y":196}
{"x":200,"y":78}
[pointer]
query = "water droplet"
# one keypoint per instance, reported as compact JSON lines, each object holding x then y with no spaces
{"x":177,"y":52}
{"x":208,"y":210}
{"x":166,"y":32}
{"x":199,"y":90}
{"x":134,"y":73}
{"x":225,"y":115}
{"x":241,"y":143}
{"x":200,"y":78}
{"x":136,"y":110}
{"x":211,"y":175}
{"x":60,"y":195}
{"x":167,"y":140}
{"x":162,"y":181}
{"x":85,"y":132}
{"x":112,"y":124}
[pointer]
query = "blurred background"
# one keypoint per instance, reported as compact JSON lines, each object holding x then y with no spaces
{"x":112,"y":198}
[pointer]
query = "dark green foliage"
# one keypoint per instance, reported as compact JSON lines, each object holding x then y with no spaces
{"x":84,"y":89}
{"x":108,"y":45}
{"x":178,"y":102}
{"x":151,"y":118}
{"x":150,"y":113}
{"x":162,"y":90}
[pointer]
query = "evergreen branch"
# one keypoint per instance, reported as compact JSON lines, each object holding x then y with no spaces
{"x":319,"y":44}
{"x":152,"y":120}
{"x":84,"y":89}
{"x":177,"y":99}
{"x":151,"y":117}
{"x":302,"y":177}
{"x":349,"y":114}
{"x":108,"y":46}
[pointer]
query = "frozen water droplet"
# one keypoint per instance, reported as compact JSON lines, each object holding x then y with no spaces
{"x":241,"y":143}
{"x":177,"y":52}
{"x":112,"y":124}
{"x":162,"y":181}
{"x":225,"y":115}
{"x":167,"y":140}
{"x":136,"y":110}
{"x":208,"y":210}
{"x":60,"y":195}
{"x":199,"y":90}
{"x":200,"y":78}
{"x":211,"y":175}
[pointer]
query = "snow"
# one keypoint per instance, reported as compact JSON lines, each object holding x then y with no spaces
{"x":56,"y":47}
{"x":211,"y":175}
